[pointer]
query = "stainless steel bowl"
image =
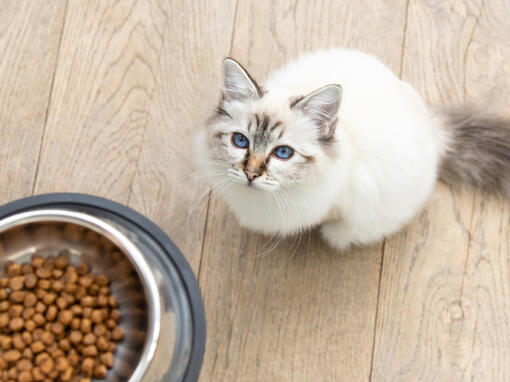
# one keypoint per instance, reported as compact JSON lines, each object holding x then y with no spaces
{"x":161,"y":315}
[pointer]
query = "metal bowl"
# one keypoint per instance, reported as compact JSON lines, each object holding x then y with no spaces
{"x":161,"y":309}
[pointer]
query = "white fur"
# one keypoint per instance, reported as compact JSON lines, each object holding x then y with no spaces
{"x":389,"y":146}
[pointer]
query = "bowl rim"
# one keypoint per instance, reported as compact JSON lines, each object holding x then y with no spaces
{"x":179,"y":262}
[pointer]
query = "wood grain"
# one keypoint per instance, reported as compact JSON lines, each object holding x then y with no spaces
{"x":311,"y":315}
{"x":444,"y":290}
{"x":116,"y":90}
{"x":166,"y":186}
{"x":29,"y":40}
{"x":107,"y":68}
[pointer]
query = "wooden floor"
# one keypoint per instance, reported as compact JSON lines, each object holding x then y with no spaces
{"x":104,"y":97}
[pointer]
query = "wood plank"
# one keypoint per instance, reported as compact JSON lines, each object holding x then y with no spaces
{"x":29,"y":40}
{"x":165,"y":186}
{"x":107,"y":68}
{"x":310,"y":317}
{"x":444,"y":288}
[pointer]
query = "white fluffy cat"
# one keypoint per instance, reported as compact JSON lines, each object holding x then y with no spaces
{"x":334,"y":139}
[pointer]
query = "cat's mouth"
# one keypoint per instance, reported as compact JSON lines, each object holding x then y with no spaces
{"x":260,"y":183}
{"x":254,"y":186}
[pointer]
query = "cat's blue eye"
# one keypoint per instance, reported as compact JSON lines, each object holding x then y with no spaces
{"x":239,"y":140}
{"x":283,"y":152}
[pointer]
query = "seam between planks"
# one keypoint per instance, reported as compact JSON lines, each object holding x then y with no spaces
{"x":140,"y":148}
{"x":401,"y":70}
{"x":404,"y":38}
{"x":377,"y":310}
{"x":230,"y":49}
{"x":39,"y":155}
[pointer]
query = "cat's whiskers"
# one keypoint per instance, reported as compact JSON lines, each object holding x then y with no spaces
{"x":208,"y":161}
{"x":195,"y":204}
{"x":278,"y":234}
{"x":220,"y":189}
{"x":237,"y":175}
{"x":197,"y":176}
{"x":300,"y":231}
{"x":303,"y":199}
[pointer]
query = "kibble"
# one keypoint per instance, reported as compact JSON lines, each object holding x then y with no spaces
{"x":11,"y":355}
{"x":27,"y":354}
{"x":27,"y":337}
{"x":89,"y":339}
{"x":30,"y":325}
{"x":30,"y":281}
{"x":4,"y":320}
{"x":18,"y":342}
{"x":30,"y":300}
{"x":16,"y":283}
{"x":4,"y":305}
{"x":13,"y":269}
{"x":15,"y":311}
{"x":16,"y":324}
{"x":40,"y":307}
{"x":48,"y":338}
{"x":23,"y":365}
{"x":5,"y":342}
{"x":37,"y":347}
{"x":57,"y":273}
{"x":100,"y":371}
{"x":27,"y":269}
{"x":25,"y":376}
{"x":43,"y":273}
{"x":57,"y":322}
{"x":37,"y":374}
{"x":88,"y":366}
{"x":47,"y":365}
{"x":17,"y":296}
{"x":39,"y":319}
{"x":49,"y":298}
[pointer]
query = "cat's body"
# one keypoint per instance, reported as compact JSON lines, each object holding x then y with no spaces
{"x":365,"y":156}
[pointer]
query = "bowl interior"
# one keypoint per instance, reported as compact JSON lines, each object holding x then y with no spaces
{"x":47,"y":238}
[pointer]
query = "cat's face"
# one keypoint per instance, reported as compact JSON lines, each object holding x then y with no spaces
{"x":264,"y":143}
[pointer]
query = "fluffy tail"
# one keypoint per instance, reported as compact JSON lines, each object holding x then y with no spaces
{"x":477,"y":151}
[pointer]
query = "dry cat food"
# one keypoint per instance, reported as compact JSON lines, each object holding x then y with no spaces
{"x":58,"y":322}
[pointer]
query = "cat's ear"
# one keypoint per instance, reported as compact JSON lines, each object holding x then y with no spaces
{"x":321,"y":106}
{"x":237,"y":83}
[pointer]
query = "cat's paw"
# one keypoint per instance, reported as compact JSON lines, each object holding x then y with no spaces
{"x":337,"y":236}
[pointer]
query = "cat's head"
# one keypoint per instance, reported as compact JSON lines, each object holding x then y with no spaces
{"x":268,"y":140}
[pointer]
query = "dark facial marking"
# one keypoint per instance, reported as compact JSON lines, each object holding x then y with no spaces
{"x":261,"y":136}
{"x":222,"y":112}
{"x":278,"y":123}
{"x":309,"y":158}
{"x":265,"y":123}
{"x":255,"y":162}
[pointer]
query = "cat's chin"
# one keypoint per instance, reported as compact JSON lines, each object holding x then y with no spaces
{"x":250,"y":186}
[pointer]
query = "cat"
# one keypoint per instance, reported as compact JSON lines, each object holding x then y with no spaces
{"x":336,"y":140}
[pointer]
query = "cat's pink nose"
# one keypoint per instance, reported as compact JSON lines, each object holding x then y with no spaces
{"x":251,"y":174}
